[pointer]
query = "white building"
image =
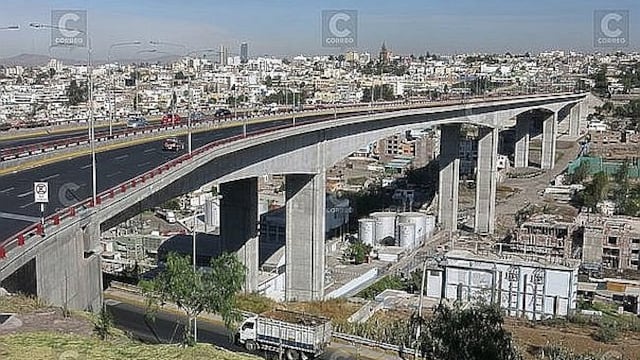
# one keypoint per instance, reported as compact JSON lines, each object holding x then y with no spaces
{"x":521,"y":286}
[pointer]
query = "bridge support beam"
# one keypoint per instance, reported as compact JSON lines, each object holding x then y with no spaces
{"x":486,"y":180}
{"x":549,"y":135}
{"x":239,"y":225}
{"x":523,"y":135}
{"x":305,"y":232}
{"x":449,"y":176}
{"x":574,"y":120}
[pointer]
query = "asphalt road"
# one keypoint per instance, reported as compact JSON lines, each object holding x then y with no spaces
{"x":167,"y":328}
{"x":70,"y":180}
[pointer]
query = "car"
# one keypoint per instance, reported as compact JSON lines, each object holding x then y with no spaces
{"x":222,"y":112}
{"x":137,"y":122}
{"x":173,"y":144}
{"x":198,"y":116}
{"x":171,"y":119}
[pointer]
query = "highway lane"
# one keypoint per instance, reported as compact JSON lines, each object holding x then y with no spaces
{"x":167,"y":328}
{"x":70,"y":180}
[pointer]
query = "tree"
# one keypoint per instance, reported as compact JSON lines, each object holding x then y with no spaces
{"x":621,"y":193}
{"x":103,"y":324}
{"x":358,"y":251}
{"x":194,"y":292}
{"x":77,"y":93}
{"x":473,"y":332}
{"x":596,"y":190}
{"x":384,"y":92}
{"x":580,"y":173}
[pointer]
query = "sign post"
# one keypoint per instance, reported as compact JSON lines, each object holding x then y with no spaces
{"x":41,"y":196}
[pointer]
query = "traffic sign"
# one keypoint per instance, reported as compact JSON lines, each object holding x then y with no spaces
{"x":41,"y":192}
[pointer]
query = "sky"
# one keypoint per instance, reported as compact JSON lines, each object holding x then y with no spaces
{"x":292,"y":27}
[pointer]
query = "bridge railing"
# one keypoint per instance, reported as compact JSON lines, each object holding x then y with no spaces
{"x":38,"y":231}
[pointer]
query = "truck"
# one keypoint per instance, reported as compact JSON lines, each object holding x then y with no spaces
{"x":167,"y":215}
{"x":294,"y":335}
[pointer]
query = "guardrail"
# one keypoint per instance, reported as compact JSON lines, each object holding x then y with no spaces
{"x":38,"y":230}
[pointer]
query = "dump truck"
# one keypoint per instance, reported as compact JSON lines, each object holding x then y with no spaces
{"x":294,"y":335}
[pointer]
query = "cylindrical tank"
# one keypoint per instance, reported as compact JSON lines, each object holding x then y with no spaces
{"x":406,"y":235}
{"x":367,"y":231}
{"x":385,"y":225}
{"x":430,"y":226}
{"x":419,"y":220}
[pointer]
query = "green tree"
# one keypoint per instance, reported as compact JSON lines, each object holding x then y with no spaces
{"x":621,"y":193}
{"x":358,"y":251}
{"x":194,"y":292}
{"x":470,"y":333}
{"x":77,"y":93}
{"x":103,"y":324}
{"x":384,"y":92}
{"x":596,"y":190}
{"x":580,"y":174}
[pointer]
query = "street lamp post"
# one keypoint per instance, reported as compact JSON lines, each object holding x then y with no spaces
{"x":92,"y":142}
{"x":113,"y":84}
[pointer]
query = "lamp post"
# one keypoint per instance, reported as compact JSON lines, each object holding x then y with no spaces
{"x":189,"y":133}
{"x":113,"y":82}
{"x":38,"y":26}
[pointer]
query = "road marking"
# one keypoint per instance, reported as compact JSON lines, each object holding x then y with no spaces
{"x":29,"y":204}
{"x":150,"y":150}
{"x":25,"y":194}
{"x":4,"y":215}
{"x":86,"y":166}
{"x":144,"y":164}
{"x":50,"y":177}
{"x":6,"y":190}
{"x":121,"y":157}
{"x":114,"y":174}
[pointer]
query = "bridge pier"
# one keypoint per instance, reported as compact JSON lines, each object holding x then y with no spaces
{"x":486,"y":180}
{"x":523,"y":136}
{"x":449,"y":176}
{"x":574,"y":120}
{"x":239,"y":225}
{"x":305,"y":232}
{"x":549,"y":138}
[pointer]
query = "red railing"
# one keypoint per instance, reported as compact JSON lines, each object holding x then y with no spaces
{"x":39,"y":230}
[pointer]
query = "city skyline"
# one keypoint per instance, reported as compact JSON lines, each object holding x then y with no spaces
{"x":289,"y":28}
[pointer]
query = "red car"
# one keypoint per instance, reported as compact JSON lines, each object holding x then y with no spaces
{"x":171,"y":119}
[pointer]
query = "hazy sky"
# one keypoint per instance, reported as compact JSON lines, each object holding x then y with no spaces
{"x":288,"y":27}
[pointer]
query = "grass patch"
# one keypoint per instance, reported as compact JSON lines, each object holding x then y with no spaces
{"x":254,"y":303}
{"x":46,"y":345}
{"x":387,"y":282}
{"x":21,"y":304}
{"x":336,"y":309}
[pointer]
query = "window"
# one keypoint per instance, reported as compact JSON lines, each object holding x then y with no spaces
{"x":248,"y":325}
{"x":635,"y":241}
{"x":613,"y":240}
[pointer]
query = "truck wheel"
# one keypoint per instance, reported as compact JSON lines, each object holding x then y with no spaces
{"x":250,"y":345}
{"x":292,"y":354}
{"x":306,"y":356}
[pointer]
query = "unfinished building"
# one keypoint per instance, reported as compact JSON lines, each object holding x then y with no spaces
{"x":612,"y":242}
{"x":544,"y":236}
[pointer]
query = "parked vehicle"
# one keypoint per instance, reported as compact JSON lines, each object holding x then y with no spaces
{"x":137,"y":122}
{"x":167,"y":215}
{"x":300,"y":336}
{"x":173,"y":144}
{"x":222,"y":112}
{"x":171,"y":119}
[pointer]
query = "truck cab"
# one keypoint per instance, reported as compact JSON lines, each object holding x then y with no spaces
{"x":246,"y":334}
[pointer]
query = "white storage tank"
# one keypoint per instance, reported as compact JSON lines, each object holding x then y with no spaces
{"x":385,"y":225}
{"x":419,"y":220}
{"x":406,"y":235}
{"x":430,"y":226}
{"x":367,"y":231}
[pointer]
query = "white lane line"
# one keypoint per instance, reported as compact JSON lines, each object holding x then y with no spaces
{"x":27,"y":205}
{"x":144,"y":164}
{"x":121,"y":157}
{"x":25,"y":194}
{"x":86,"y":166}
{"x":49,"y":177}
{"x":4,"y":215}
{"x":150,"y":150}
{"x":6,"y":190}
{"x":114,"y":174}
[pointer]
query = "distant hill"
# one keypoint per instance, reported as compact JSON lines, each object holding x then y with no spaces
{"x":29,"y":60}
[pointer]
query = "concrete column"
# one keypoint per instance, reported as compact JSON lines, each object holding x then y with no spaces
{"x":486,"y":179}
{"x":574,"y":120}
{"x":449,"y":176}
{"x":305,"y":232}
{"x":239,"y":225}
{"x":549,"y":135}
{"x":521,"y":156}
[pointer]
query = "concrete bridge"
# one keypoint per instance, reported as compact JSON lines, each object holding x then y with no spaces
{"x":60,"y":261}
